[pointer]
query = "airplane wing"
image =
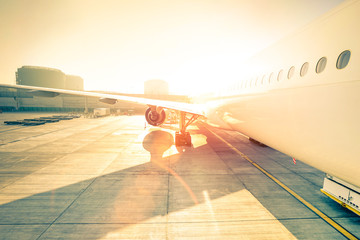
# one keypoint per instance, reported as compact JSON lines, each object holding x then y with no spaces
{"x":111,"y":98}
{"x":154,"y":115}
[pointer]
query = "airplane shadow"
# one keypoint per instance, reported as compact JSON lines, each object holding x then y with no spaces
{"x":143,"y":197}
{"x":145,"y":193}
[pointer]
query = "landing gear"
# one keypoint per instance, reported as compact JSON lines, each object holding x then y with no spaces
{"x":183,"y":138}
{"x":156,"y":116}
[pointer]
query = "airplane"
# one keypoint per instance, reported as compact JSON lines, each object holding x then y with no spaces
{"x":302,"y":98}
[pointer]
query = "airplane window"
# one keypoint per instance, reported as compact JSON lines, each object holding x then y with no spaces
{"x":271,"y":77}
{"x":320,"y":66}
{"x":304,"y":69}
{"x":343,"y":59}
{"x":291,"y":72}
{"x":280,"y":75}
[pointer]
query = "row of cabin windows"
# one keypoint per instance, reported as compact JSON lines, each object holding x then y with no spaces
{"x":342,"y":62}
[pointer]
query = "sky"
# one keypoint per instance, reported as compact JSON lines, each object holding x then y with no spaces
{"x":116,"y":45}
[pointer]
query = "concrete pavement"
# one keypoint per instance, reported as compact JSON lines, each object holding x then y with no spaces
{"x":109,"y":178}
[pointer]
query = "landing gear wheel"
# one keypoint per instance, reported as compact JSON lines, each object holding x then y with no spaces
{"x":187,"y":139}
{"x":177,"y":139}
{"x":182,"y":139}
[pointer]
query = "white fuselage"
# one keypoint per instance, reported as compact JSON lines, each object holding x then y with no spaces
{"x":314,"y":118}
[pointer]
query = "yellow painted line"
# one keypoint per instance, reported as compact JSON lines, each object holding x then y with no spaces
{"x":298,"y":197}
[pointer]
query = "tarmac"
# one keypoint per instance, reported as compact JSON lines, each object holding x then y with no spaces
{"x":112,"y":178}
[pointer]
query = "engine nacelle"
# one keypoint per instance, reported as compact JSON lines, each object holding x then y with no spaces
{"x":155,"y":118}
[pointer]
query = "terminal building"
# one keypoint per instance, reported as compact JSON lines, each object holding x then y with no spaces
{"x":21,"y":100}
{"x":48,"y":77}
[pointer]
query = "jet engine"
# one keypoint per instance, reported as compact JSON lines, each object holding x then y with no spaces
{"x":155,"y":116}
